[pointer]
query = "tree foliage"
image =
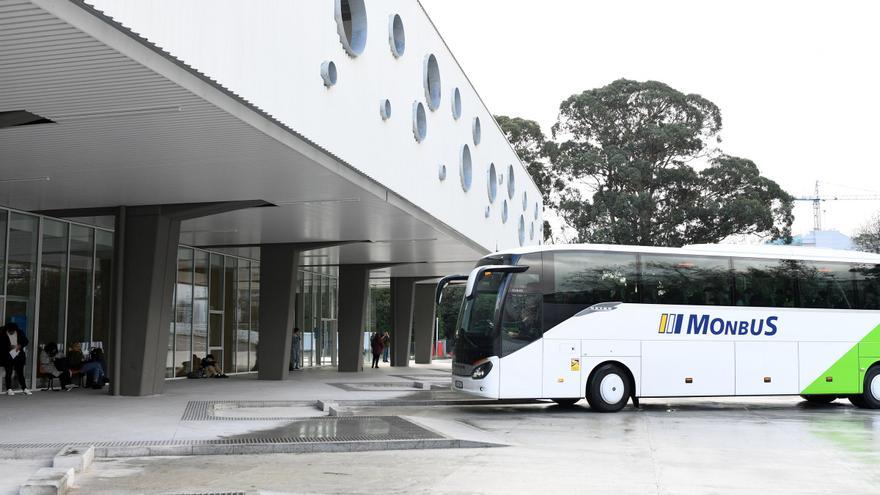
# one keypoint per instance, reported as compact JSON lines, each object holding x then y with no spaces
{"x":534,"y":151}
{"x":867,"y":238}
{"x":624,"y":159}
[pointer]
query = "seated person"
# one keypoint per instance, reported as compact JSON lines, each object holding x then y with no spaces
{"x":75,"y":358}
{"x":93,"y":368}
{"x":210,"y":369}
{"x":49,"y":365}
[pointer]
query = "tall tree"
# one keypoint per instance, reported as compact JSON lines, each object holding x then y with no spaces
{"x":867,"y":238}
{"x":534,"y":150}
{"x":625,"y":159}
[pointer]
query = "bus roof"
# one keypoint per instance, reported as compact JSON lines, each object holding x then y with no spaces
{"x":765,"y":251}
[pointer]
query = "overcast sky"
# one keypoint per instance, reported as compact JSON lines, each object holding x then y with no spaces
{"x":798,"y":82}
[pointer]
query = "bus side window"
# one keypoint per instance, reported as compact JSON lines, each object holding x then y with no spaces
{"x":576,"y":280}
{"x":866,"y":284}
{"x":765,"y":283}
{"x":826,"y":285}
{"x":697,"y":280}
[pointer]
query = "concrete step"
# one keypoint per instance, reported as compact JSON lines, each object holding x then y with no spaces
{"x":48,"y":481}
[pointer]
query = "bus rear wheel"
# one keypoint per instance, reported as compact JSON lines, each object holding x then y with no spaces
{"x":609,"y":389}
{"x":870,"y":397}
{"x":819,"y":399}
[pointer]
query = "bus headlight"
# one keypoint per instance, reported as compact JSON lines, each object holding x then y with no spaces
{"x":481,"y":371}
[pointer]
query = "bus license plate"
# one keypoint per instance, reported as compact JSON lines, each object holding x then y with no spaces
{"x":459,"y":384}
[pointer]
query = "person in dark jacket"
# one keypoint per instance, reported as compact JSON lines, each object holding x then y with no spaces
{"x":12,"y":345}
{"x":377,"y":346}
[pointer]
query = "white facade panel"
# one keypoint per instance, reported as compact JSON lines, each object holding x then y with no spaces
{"x":271,"y":53}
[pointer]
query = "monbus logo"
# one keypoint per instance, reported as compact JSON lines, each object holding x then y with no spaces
{"x":704,"y":324}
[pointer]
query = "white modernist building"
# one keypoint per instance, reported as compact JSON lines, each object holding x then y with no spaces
{"x":335,"y":135}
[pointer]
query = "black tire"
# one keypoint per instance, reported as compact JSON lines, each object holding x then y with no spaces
{"x":870,"y":397}
{"x":565,"y":402}
{"x":594,"y":388}
{"x":819,"y":399}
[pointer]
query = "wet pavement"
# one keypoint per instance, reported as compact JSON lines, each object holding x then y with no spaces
{"x":743,"y":445}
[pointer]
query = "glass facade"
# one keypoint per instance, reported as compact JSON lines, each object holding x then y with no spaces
{"x":55,"y":281}
{"x":316,"y":316}
{"x":216,"y":308}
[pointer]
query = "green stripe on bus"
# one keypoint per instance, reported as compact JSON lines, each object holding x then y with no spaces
{"x":846,"y":374}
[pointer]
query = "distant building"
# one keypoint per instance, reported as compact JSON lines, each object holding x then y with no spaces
{"x":825,"y":239}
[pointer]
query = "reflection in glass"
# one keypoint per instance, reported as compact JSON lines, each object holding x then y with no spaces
{"x":685,"y":280}
{"x":254,"y":335}
{"x":200,"y":305}
{"x":53,"y":282}
{"x":183,"y":314}
{"x":244,"y":316}
{"x":521,"y":319}
{"x":581,"y":279}
{"x":866,"y":280}
{"x":103,"y":287}
{"x":79,"y":303}
{"x":766,"y":283}
{"x":21,"y":275}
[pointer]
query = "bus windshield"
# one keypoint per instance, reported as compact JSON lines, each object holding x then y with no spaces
{"x":476,"y":333}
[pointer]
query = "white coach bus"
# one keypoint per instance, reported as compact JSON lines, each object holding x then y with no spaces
{"x":614,"y":323}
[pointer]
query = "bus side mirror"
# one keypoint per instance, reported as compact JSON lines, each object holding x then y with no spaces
{"x":478,"y":273}
{"x":438,"y":295}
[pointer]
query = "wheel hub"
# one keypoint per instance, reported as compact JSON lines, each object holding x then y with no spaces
{"x":611,"y":388}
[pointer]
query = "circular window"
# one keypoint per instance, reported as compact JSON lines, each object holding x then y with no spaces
{"x":492,"y":183}
{"x":442,"y":172}
{"x":536,"y":211}
{"x":432,"y":82}
{"x":532,"y":231}
{"x":456,"y":104}
{"x":396,"y":36}
{"x":420,"y":124}
{"x":511,"y":182}
{"x":328,"y":73}
{"x":504,"y":211}
{"x":521,"y":230}
{"x":385,"y":109}
{"x":466,"y":168}
{"x":525,"y":201}
{"x":478,"y":132}
{"x":351,"y":23}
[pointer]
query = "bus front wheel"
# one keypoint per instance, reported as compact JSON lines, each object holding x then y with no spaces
{"x":609,"y":389}
{"x":870,"y":397}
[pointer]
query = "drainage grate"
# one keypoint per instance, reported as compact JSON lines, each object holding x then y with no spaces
{"x":203,"y":410}
{"x":307,"y":431}
{"x":376,"y":386}
{"x":207,"y":493}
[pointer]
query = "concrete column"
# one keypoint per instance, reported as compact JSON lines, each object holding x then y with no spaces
{"x":423,"y":322}
{"x":279,"y":265}
{"x":354,"y":290}
{"x":148,"y":245}
{"x":402,"y":297}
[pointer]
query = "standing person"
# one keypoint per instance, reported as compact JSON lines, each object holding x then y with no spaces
{"x":295,"y":349}
{"x":12,"y":344}
{"x":386,"y":344}
{"x":377,"y":347}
